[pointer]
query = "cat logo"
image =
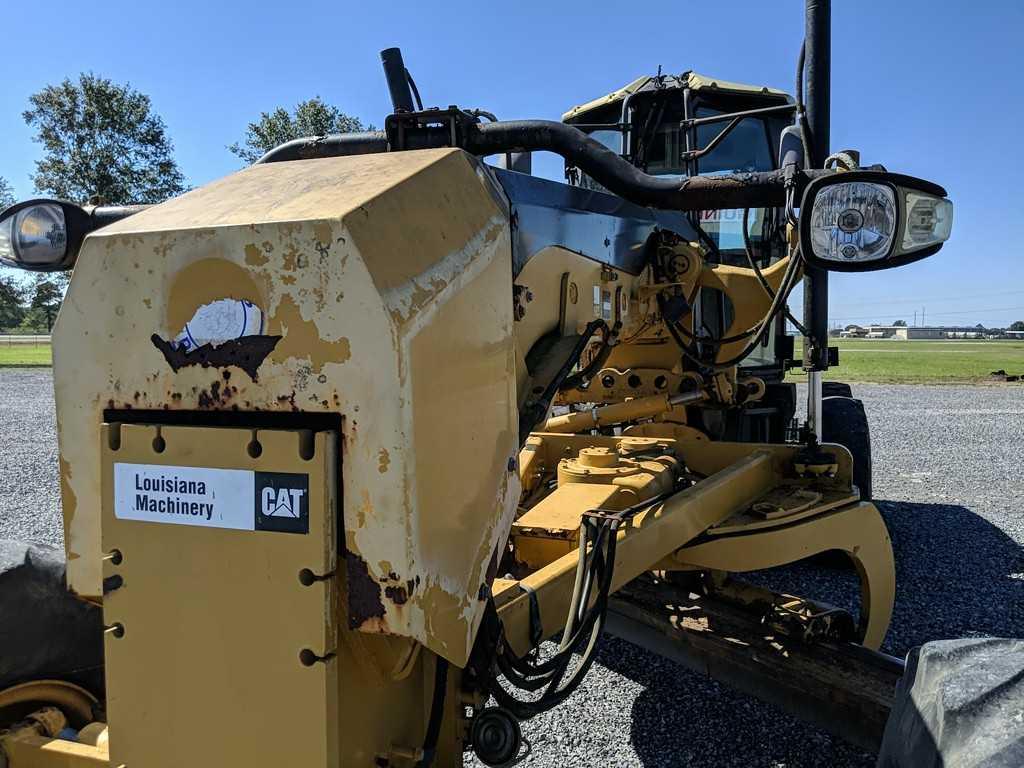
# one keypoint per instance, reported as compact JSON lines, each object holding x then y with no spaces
{"x":282,"y":502}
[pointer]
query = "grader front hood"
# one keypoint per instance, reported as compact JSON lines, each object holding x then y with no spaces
{"x":376,"y":289}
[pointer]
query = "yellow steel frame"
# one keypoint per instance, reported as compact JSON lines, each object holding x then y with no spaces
{"x":858,"y":530}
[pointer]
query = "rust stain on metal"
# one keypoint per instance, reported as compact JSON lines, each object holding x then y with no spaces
{"x":383,"y":460}
{"x":247,"y":353}
{"x":364,"y":593}
{"x":397,"y":595}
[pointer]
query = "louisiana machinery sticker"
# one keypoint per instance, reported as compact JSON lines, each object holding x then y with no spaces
{"x":215,"y":498}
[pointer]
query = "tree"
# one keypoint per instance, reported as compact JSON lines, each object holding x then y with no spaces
{"x":6,"y":194}
{"x":11,"y":296}
{"x":46,"y":299}
{"x":101,"y":139}
{"x":900,"y":324}
{"x":1017,"y":326}
{"x":309,"y":118}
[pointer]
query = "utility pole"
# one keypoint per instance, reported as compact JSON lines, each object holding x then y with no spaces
{"x":817,"y":102}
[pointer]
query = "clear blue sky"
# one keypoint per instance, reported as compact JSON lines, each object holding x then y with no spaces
{"x":934,"y":89}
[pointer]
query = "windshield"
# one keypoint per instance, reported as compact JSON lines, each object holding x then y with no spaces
{"x":745,"y":148}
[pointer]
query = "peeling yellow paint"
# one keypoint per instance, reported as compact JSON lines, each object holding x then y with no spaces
{"x":302,"y":339}
{"x":412,"y":293}
{"x":364,"y":510}
{"x":68,"y":502}
{"x":254,"y":257}
{"x":203,"y":282}
{"x":324,"y":234}
{"x":294,"y":259}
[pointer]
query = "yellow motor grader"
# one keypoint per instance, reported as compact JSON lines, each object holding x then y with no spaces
{"x":364,"y":446}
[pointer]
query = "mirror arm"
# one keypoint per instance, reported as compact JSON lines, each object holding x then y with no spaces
{"x":102,"y":215}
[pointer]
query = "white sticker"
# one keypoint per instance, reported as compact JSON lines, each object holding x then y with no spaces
{"x":214,"y":498}
{"x":220,"y":321}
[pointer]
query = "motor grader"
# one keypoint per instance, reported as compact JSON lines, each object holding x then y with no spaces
{"x":363,"y":447}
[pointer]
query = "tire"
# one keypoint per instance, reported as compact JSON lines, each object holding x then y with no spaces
{"x":45,"y":632}
{"x":835,"y":389}
{"x":955,"y":705}
{"x":843,"y":421}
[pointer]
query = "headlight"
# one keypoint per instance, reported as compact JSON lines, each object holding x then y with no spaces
{"x":864,"y":220}
{"x":853,"y":222}
{"x":929,"y":220}
{"x":41,"y":235}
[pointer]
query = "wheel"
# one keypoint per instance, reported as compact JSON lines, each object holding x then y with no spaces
{"x":835,"y":389}
{"x":47,"y":633}
{"x":843,"y":421}
{"x":496,"y":737}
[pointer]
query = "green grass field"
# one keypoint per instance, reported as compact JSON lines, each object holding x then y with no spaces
{"x":25,"y":355}
{"x":922,"y":362}
{"x":876,"y":360}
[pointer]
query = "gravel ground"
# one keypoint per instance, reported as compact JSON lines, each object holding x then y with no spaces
{"x":947,"y":463}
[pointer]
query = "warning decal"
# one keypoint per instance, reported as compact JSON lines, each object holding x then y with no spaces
{"x":216,"y":498}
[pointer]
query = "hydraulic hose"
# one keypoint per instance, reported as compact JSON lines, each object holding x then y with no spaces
{"x":617,"y":175}
{"x":335,"y":145}
{"x":697,"y":193}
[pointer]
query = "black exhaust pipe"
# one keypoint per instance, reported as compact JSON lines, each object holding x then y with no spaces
{"x":398,"y":79}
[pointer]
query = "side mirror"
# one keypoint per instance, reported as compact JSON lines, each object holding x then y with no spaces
{"x":42,"y":235}
{"x":859,"y":221}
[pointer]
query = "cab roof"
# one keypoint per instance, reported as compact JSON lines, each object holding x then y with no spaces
{"x":691,"y":80}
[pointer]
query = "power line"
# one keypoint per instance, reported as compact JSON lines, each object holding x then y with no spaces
{"x":949,"y":312}
{"x":927,"y":299}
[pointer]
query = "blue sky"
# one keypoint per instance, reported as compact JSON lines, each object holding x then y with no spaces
{"x":934,"y":89}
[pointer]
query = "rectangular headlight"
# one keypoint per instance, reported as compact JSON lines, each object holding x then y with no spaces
{"x":865,"y":220}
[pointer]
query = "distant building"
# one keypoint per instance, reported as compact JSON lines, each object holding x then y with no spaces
{"x":901,"y":332}
{"x":919,"y":333}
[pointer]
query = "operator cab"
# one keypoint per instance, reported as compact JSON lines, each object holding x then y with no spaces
{"x":688,"y":125}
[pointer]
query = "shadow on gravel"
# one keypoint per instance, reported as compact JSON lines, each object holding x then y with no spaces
{"x":957,"y":576}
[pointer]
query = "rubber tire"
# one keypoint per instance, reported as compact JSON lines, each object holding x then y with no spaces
{"x":835,"y":389}
{"x":844,"y":421}
{"x":45,"y":631}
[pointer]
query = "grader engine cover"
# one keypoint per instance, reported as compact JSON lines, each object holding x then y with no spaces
{"x":375,"y":287}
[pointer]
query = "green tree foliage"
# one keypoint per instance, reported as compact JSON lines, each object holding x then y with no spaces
{"x":309,"y":118}
{"x":900,"y":324}
{"x":6,"y":194}
{"x":47,"y":294}
{"x":1017,"y":326}
{"x":101,"y":139}
{"x":11,"y":296}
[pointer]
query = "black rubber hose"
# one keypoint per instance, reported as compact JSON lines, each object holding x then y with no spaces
{"x":436,"y":713}
{"x":607,"y":168}
{"x":108,"y":214}
{"x":335,"y":145}
{"x":697,"y":193}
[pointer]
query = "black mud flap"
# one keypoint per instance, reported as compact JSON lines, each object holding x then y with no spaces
{"x":960,"y":703}
{"x":45,"y":631}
